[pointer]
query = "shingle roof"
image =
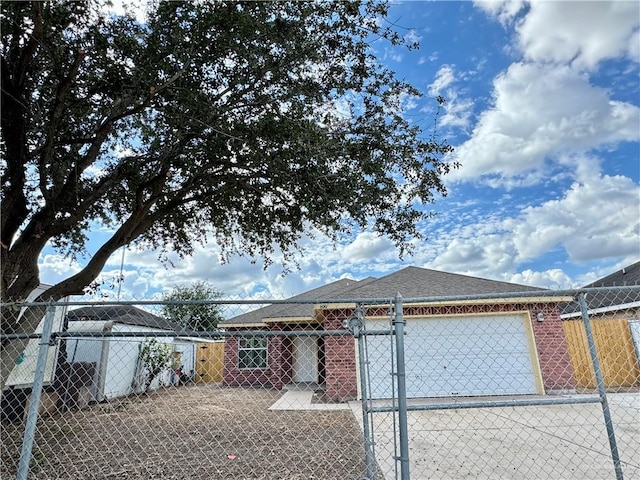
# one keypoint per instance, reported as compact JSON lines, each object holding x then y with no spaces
{"x":410,"y":282}
{"x":626,"y":276}
{"x":126,"y":314}
{"x":422,"y":282}
{"x":294,"y":310}
{"x":610,"y":299}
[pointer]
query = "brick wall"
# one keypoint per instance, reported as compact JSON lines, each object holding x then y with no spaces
{"x":276,"y":375}
{"x":340,"y":358}
{"x":340,"y":351}
{"x":553,"y":352}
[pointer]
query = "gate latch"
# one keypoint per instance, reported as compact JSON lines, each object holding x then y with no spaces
{"x":355,"y":324}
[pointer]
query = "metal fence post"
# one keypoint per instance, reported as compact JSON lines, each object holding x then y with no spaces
{"x":36,"y":392}
{"x":602,"y":391}
{"x":398,"y":321}
{"x":356,"y":325}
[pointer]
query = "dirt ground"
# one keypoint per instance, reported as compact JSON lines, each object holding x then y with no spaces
{"x":191,"y":432}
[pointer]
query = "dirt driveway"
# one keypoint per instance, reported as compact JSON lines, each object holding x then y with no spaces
{"x":559,"y":441}
{"x":191,"y":432}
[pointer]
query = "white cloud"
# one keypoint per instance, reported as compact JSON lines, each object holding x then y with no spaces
{"x":54,"y":268}
{"x":320,"y":263}
{"x":444,"y":77}
{"x":368,"y":246}
{"x":412,"y":37}
{"x":545,"y":106}
{"x":392,"y":55}
{"x":594,"y":220}
{"x":456,"y":111}
{"x":580,"y":33}
{"x":238,"y":277}
{"x":540,"y":111}
{"x":503,"y":10}
{"x":553,"y":278}
{"x":484,"y":255}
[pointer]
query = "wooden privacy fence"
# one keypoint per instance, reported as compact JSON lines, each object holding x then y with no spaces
{"x":209,"y":362}
{"x":615,"y":349}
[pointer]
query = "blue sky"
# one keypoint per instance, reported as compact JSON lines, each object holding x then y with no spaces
{"x":543,"y":111}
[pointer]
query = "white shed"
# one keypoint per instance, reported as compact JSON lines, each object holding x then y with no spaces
{"x":116,"y":359}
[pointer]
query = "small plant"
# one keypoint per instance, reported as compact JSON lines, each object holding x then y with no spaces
{"x":155,"y":357}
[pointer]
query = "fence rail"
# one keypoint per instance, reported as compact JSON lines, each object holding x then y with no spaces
{"x":541,"y":384}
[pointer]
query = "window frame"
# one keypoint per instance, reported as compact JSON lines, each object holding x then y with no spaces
{"x":253,"y":348}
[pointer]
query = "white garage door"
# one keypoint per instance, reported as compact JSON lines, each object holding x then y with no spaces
{"x":456,"y":356}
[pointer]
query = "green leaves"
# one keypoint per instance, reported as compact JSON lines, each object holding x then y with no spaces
{"x":252,"y":123}
{"x":191,"y":307}
{"x":155,"y":357}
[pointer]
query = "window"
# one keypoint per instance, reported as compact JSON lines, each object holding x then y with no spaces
{"x":252,"y":353}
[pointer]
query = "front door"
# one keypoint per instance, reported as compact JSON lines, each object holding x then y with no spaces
{"x":305,"y":359}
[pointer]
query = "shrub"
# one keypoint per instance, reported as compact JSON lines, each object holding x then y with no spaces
{"x":155,"y":357}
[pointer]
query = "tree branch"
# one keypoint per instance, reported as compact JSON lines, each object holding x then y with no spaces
{"x":35,"y":40}
{"x":57,"y":112}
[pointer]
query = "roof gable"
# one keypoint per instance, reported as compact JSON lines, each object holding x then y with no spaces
{"x":611,"y":299}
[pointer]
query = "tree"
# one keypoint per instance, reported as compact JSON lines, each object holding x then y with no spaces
{"x":251,"y":123}
{"x":201,"y":317}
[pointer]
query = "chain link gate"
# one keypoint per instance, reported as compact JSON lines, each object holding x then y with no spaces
{"x":567,"y":429}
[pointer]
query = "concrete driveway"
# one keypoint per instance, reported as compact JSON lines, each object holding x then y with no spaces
{"x":533,"y":442}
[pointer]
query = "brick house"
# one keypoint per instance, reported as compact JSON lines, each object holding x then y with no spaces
{"x":484,"y":345}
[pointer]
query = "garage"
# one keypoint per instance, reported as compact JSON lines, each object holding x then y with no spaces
{"x":458,"y":356}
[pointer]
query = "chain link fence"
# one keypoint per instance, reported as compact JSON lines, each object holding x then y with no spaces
{"x":484,"y":386}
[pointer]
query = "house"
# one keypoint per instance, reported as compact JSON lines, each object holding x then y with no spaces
{"x":459,"y":347}
{"x":614,"y":316}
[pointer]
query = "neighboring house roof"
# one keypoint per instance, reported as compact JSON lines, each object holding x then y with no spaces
{"x":410,"y":282}
{"x":611,"y":299}
{"x":125,"y":314}
{"x":629,"y":275}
